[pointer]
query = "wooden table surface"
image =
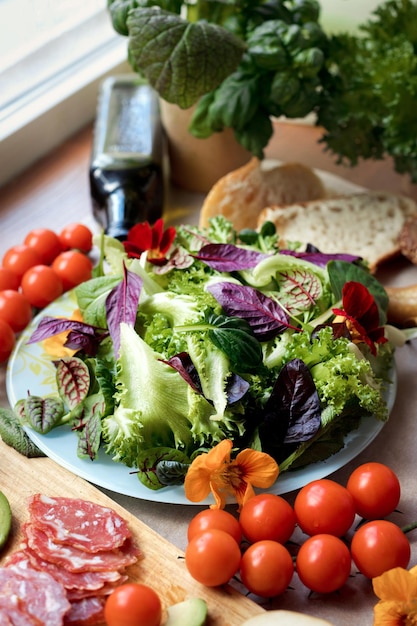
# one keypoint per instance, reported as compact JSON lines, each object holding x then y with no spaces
{"x":55,"y":192}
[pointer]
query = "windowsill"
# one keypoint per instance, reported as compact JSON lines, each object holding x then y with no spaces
{"x":57,"y":111}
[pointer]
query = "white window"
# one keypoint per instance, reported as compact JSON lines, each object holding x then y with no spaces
{"x":53,"y":55}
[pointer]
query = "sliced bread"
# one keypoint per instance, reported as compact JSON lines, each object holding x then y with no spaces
{"x":366,"y":224}
{"x":243,"y":193}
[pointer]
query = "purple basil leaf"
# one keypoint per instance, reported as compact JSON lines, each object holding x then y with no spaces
{"x":225,"y":257}
{"x":83,"y":341}
{"x":50,"y":326}
{"x":122,"y":305}
{"x":264,"y":315}
{"x":183,"y":364}
{"x":236,"y":388}
{"x":292,"y":414}
{"x":321,"y":258}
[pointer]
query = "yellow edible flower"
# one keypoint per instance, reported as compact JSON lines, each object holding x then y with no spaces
{"x":215,"y":471}
{"x":397,"y":593}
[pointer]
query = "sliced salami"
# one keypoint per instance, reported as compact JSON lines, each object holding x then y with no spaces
{"x":86,"y":612}
{"x":79,"y":523}
{"x":39,"y":595}
{"x":81,"y":581}
{"x":76,"y":560}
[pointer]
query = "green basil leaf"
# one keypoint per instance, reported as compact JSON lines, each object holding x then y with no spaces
{"x":149,"y":460}
{"x":13,"y":435}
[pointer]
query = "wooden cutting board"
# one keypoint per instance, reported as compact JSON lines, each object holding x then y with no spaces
{"x":162,"y":567}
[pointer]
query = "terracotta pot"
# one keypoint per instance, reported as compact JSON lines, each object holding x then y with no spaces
{"x":196,"y":164}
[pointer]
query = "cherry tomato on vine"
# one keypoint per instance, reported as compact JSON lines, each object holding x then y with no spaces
{"x":214,"y":518}
{"x":378,"y":546}
{"x":266,"y":568}
{"x":133,"y":604}
{"x":15,"y":309}
{"x":8,"y":279}
{"x":76,"y":236}
{"x":324,"y":506}
{"x":375,"y":489}
{"x":20,"y":258}
{"x":73,"y":268}
{"x":45,"y":242}
{"x":267,"y":516}
{"x":7,"y":340}
{"x":41,"y":285}
{"x":213,"y":557}
{"x":323,"y":563}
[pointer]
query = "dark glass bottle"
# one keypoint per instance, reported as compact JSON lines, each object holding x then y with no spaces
{"x":126,"y":169}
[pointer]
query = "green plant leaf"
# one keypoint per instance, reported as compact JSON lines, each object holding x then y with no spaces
{"x":181,"y":60}
{"x":233,"y":336}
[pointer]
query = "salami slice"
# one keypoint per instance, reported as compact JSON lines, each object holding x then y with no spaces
{"x":86,"y":612}
{"x":81,"y":581}
{"x":79,"y":523}
{"x":76,"y":560}
{"x":39,"y":595}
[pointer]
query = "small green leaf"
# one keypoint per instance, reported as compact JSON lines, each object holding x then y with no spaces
{"x":149,"y":461}
{"x":43,"y":414}
{"x":14,"y":436}
{"x":73,"y":380}
{"x":171,"y":472}
{"x":233,"y":336}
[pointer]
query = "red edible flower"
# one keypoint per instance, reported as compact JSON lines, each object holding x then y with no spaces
{"x":153,"y":239}
{"x":361,"y":315}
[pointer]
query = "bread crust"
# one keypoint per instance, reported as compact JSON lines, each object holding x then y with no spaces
{"x":243,"y":193}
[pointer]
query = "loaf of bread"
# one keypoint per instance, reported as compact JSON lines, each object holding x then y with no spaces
{"x":365,"y":224}
{"x":243,"y":193}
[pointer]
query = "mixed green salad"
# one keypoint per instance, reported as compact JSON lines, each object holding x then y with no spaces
{"x":191,"y":336}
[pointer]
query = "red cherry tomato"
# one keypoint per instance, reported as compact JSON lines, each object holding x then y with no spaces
{"x":73,"y":268}
{"x":324,"y":506}
{"x":76,"y":236}
{"x":213,"y":557}
{"x":267,"y":516}
{"x":214,"y":518}
{"x":45,"y":242}
{"x":41,"y":286}
{"x":378,"y":546}
{"x":375,"y":490}
{"x":133,"y":604}
{"x":15,"y":309}
{"x":7,"y":341}
{"x":323,"y":563}
{"x":8,"y":279}
{"x":266,"y":568}
{"x":20,"y":258}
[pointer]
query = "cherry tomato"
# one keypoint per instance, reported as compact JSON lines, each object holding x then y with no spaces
{"x":133,"y":604}
{"x":267,"y":516}
{"x":45,"y":242}
{"x":378,"y":546}
{"x":15,"y":309}
{"x":266,"y":568}
{"x":20,"y":258}
{"x":41,"y":285}
{"x":323,"y":563}
{"x":7,"y":340}
{"x":375,"y":490}
{"x":73,"y":268}
{"x":77,"y":236}
{"x":324,"y":506}
{"x":8,"y":279}
{"x":214,"y":518}
{"x":213,"y":557}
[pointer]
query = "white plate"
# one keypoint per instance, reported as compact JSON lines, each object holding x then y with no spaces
{"x":30,"y":370}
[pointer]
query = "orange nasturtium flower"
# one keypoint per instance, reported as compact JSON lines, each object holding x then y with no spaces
{"x":397,"y":593}
{"x":54,"y":345}
{"x":215,"y":471}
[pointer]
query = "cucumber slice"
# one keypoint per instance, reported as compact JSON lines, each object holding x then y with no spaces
{"x":191,"y":612}
{"x":5,"y":519}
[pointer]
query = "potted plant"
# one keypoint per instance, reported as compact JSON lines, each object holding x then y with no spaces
{"x":239,"y":63}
